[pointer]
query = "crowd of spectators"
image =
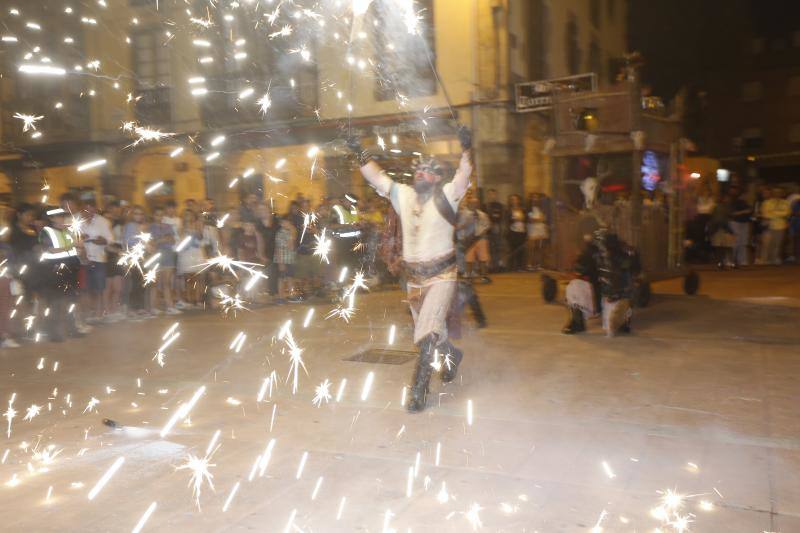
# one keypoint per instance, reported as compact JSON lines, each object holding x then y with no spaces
{"x":67,"y":268}
{"x":737,"y":229}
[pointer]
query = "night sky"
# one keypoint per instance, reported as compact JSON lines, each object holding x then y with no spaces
{"x":686,"y":41}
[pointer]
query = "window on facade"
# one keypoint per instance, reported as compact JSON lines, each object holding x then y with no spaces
{"x":573,"y":46}
{"x":594,"y":12}
{"x":538,"y":38}
{"x":403,"y":66}
{"x":752,"y":91}
{"x":752,"y":138}
{"x":596,"y":59}
{"x":151,"y":64}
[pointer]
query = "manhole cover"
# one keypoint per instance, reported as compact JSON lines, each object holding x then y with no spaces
{"x":383,"y":357}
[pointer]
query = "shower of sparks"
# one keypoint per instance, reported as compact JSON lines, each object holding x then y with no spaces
{"x":295,"y":360}
{"x":28,"y":121}
{"x":168,"y":338}
{"x":199,"y":467}
{"x":92,"y":405}
{"x":322,"y":393}
{"x":106,"y":477}
{"x":150,"y":276}
{"x":231,"y":303}
{"x":309,"y":219}
{"x":597,"y":528}
{"x":32,"y":411}
{"x":283,"y":32}
{"x":9,"y":416}
{"x":345,"y":313}
{"x":145,"y":517}
{"x":182,"y":411}
{"x":473,"y":516}
{"x":381,"y":143}
{"x":228,"y":264}
{"x":76,"y":224}
{"x":323,"y":246}
{"x":144,"y":134}
{"x":264,"y":103}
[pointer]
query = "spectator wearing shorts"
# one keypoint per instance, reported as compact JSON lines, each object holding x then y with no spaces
{"x":538,"y":231}
{"x":474,"y":226}
{"x":97,"y":235}
{"x":164,"y":238}
{"x":284,"y":258}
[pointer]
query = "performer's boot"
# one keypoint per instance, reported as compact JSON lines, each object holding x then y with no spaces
{"x":452,"y":357}
{"x":576,"y":323}
{"x":475,"y":306}
{"x":422,"y":375}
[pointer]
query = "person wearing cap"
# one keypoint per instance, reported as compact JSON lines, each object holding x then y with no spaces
{"x":428,"y":215}
{"x":59,"y":261}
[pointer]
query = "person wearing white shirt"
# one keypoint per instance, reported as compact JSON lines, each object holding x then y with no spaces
{"x":427,"y":212}
{"x":96,"y":236}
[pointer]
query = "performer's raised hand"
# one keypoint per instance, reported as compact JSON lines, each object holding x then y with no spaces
{"x":354,"y":145}
{"x":465,"y":138}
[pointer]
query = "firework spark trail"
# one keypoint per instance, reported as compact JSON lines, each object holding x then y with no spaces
{"x":295,"y":358}
{"x":323,"y":246}
{"x":92,"y":405}
{"x":145,"y":517}
{"x":160,"y":353}
{"x":302,"y":465}
{"x":340,"y":511}
{"x":9,"y":416}
{"x":367,"y":386}
{"x":32,"y":411}
{"x":265,"y":458}
{"x":309,"y":315}
{"x":317,"y":486}
{"x":200,"y":468}
{"x":228,"y":264}
{"x":340,"y":391}
{"x":322,"y":393}
{"x":228,"y":501}
{"x":106,"y":477}
{"x":28,"y":121}
{"x":182,"y":411}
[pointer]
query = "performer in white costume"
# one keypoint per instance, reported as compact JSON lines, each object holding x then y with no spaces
{"x":427,"y":212}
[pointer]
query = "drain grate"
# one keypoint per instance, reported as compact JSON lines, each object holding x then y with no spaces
{"x":383,"y":357}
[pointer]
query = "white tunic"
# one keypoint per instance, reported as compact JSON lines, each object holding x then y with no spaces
{"x":427,"y":235}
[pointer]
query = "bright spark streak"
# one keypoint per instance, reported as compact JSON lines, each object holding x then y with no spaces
{"x":213,"y":442}
{"x":228,"y":264}
{"x":170,"y":331}
{"x":309,"y":315}
{"x":280,"y":163}
{"x":340,"y":391}
{"x":295,"y":360}
{"x":367,"y":386}
{"x":182,"y":411}
{"x":469,"y":412}
{"x":302,"y":465}
{"x":184,"y":243}
{"x":381,"y":143}
{"x":28,"y":121}
{"x":343,"y":275}
{"x":145,"y":517}
{"x":9,"y":416}
{"x":341,"y":508}
{"x":438,"y":453}
{"x":265,"y":458}
{"x":290,"y":523}
{"x":322,"y":393}
{"x":153,"y":188}
{"x":106,"y":477}
{"x":176,"y":152}
{"x":610,"y":473}
{"x":91,"y":164}
{"x":283,"y":32}
{"x":42,"y":69}
{"x":228,"y":501}
{"x":443,"y":496}
{"x":392,"y":331}
{"x":316,"y":488}
{"x":410,"y":481}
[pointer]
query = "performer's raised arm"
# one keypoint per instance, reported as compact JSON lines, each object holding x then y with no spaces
{"x":464,"y":171}
{"x":370,"y":169}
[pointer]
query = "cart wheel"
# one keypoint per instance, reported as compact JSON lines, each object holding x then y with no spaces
{"x":691,"y":283}
{"x":641,"y":294}
{"x":549,"y":288}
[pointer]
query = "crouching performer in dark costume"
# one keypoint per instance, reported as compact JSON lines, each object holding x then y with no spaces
{"x":607,"y":268}
{"x":427,"y":213}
